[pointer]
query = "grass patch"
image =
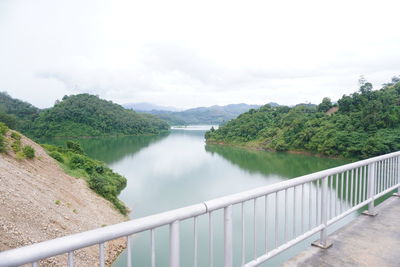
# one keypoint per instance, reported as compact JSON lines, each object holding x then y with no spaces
{"x":20,"y":155}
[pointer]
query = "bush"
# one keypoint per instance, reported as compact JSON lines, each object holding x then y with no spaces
{"x":77,"y":162}
{"x":99,"y":169}
{"x":75,"y":147}
{"x":29,"y":152}
{"x":107,"y":189}
{"x":16,"y":136}
{"x":16,"y":145}
{"x":57,"y":156}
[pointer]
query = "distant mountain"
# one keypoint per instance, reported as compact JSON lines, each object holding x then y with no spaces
{"x":144,"y":106}
{"x":205,"y":115}
{"x":273,"y":104}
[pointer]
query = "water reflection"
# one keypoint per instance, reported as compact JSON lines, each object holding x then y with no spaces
{"x":268,"y":163}
{"x":110,"y":149}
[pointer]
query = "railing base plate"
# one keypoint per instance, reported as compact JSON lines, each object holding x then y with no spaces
{"x":373,"y":214}
{"x":319,"y":245}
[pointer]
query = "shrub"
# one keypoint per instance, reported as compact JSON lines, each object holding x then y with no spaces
{"x":99,"y":169}
{"x":109,"y":187}
{"x":75,"y":147}
{"x":57,"y":156}
{"x":16,"y":145}
{"x":29,"y":152}
{"x":77,"y":162}
{"x":16,"y":136}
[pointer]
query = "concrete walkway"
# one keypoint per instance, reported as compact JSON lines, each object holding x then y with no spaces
{"x":366,"y":241}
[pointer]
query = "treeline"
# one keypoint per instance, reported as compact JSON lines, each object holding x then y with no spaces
{"x":77,"y":115}
{"x":16,"y":114}
{"x":363,"y":124}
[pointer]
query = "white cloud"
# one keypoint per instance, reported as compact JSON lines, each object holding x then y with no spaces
{"x":190,"y":53}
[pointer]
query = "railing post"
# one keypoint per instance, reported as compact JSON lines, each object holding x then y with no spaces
{"x":398,"y":178}
{"x":371,"y":190}
{"x":323,"y":241}
{"x":71,"y":259}
{"x":128,"y":251}
{"x":228,"y":236}
{"x":174,"y":244}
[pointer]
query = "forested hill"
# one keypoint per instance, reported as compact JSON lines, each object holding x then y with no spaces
{"x":80,"y":115}
{"x":204,"y":115}
{"x":366,"y":124}
{"x":16,"y":113}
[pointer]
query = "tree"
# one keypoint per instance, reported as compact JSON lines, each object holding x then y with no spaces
{"x":325,"y":105}
{"x":365,"y":86}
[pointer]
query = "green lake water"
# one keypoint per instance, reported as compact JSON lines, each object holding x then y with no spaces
{"x":178,"y":169}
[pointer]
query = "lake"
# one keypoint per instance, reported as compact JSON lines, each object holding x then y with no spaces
{"x":177,"y":169}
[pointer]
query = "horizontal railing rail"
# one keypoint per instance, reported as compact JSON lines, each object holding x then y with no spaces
{"x":294,"y":210}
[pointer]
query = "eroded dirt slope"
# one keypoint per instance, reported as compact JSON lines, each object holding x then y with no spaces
{"x":38,"y":201}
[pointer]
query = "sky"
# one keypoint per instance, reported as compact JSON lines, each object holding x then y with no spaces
{"x":196,"y":53}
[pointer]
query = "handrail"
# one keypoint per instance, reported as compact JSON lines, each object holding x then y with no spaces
{"x":355,"y":175}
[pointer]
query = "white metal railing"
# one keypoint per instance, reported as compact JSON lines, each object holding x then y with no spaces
{"x":328,"y":196}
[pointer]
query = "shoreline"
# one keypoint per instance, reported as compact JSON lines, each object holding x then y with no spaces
{"x":258,"y":148}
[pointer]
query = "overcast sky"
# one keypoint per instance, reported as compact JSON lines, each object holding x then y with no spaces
{"x":196,"y":53}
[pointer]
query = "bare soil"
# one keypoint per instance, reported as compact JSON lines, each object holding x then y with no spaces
{"x":38,"y":201}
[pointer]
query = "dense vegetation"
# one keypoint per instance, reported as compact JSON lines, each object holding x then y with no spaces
{"x":99,"y":177}
{"x":88,"y":115}
{"x":15,"y":113}
{"x":204,"y":115}
{"x":366,"y":124}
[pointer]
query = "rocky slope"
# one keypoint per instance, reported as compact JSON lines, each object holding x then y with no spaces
{"x":38,"y":201}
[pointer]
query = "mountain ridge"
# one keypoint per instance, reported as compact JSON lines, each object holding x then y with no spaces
{"x":215,"y":114}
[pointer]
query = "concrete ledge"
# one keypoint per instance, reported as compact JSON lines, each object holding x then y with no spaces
{"x":366,"y":241}
{"x":373,"y":214}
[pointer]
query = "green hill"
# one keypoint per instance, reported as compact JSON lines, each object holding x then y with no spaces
{"x":77,"y":115}
{"x":366,"y":124}
{"x":15,"y":113}
{"x":88,"y":115}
